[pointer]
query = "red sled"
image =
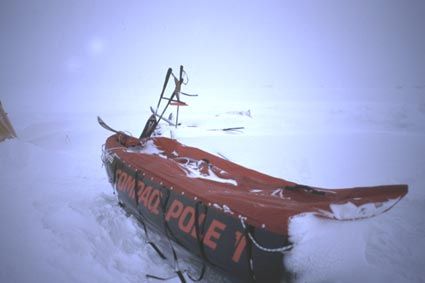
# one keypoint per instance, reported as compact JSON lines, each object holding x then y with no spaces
{"x":233,"y":218}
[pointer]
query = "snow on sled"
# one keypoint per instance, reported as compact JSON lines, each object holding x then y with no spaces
{"x":227,"y":214}
{"x":234,"y":218}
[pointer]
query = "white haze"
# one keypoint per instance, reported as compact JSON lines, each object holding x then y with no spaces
{"x":336,"y":93}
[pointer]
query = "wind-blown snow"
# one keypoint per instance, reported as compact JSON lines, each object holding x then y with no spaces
{"x":193,"y":170}
{"x":335,"y":93}
{"x":350,"y":211}
{"x":148,"y":148}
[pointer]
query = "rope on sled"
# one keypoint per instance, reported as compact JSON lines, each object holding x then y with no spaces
{"x":270,"y":250}
{"x":168,"y":234}
{"x":199,"y":237}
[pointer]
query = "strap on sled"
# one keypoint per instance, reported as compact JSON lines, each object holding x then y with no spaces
{"x":199,"y":229}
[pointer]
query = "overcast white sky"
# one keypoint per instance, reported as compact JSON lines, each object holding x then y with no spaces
{"x":69,"y":51}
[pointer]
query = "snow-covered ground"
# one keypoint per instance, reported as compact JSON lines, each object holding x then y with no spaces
{"x":61,"y":222}
{"x":331,"y":94}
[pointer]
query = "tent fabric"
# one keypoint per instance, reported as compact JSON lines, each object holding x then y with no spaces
{"x":262,"y":200}
{"x":6,"y":128}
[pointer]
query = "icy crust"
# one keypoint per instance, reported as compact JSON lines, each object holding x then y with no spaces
{"x":350,"y":211}
{"x":193,"y":168}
